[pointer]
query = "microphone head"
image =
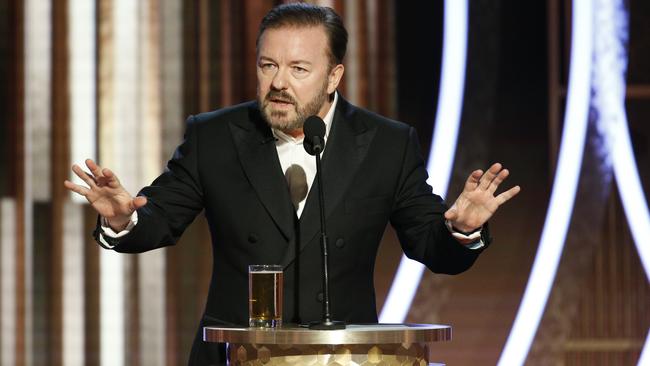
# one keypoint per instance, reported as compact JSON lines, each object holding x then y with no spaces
{"x":314,"y":130}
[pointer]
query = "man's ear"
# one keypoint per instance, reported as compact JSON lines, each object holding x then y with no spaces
{"x":334,"y":78}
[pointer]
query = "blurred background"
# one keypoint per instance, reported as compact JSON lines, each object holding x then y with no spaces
{"x":114,"y":80}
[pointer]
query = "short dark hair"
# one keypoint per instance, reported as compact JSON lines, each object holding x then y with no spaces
{"x":307,"y":15}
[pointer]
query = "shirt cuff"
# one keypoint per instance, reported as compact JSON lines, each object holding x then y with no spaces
{"x":471,"y":240}
{"x":109,"y":232}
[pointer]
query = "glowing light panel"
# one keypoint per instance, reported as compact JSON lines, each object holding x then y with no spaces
{"x":443,"y":147}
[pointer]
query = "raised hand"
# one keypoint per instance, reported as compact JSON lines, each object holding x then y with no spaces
{"x":477,"y":203}
{"x":106,"y":194}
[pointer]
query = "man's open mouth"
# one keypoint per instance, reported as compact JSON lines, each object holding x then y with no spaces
{"x":282,"y":101}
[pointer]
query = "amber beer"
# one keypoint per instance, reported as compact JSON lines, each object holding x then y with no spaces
{"x":265,"y":296}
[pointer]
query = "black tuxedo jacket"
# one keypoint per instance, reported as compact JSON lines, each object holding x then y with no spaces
{"x":228,"y":166}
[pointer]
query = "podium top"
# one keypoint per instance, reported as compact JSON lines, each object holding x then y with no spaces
{"x":353,"y":334}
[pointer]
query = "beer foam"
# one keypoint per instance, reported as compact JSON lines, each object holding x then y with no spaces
{"x":264,"y":272}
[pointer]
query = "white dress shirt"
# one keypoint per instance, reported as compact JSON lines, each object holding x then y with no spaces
{"x":291,"y":152}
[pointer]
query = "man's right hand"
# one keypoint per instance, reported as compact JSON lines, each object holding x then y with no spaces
{"x":106,"y":194}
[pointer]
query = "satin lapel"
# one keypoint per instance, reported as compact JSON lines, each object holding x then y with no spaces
{"x":259,"y":159}
{"x":345,"y":149}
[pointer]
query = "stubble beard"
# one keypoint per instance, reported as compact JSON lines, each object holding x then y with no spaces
{"x":280,"y":119}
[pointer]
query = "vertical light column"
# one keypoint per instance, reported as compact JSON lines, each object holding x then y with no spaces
{"x":131,"y":138}
{"x":149,"y":144}
{"x":352,"y":67}
{"x":38,"y":77}
{"x":118,"y":135}
{"x":73,"y":286}
{"x":151,"y":264}
{"x":82,"y":127}
{"x":36,"y":144}
{"x":171,"y":51}
{"x":82,"y":50}
{"x":8,"y":281}
{"x":127,"y":134}
{"x":112,"y":309}
{"x":373,"y":58}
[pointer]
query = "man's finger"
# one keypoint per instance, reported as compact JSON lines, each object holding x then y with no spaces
{"x":498,"y":180}
{"x":107,"y":179}
{"x":94,"y":168}
{"x":83,"y":175}
{"x":76,"y":188}
{"x":505,"y":196}
{"x":473,"y":180}
{"x":111,"y":178}
{"x":489,"y":176}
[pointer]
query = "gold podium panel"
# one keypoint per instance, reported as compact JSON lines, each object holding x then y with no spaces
{"x":373,"y":344}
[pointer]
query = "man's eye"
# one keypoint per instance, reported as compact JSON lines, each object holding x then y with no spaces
{"x":267,"y":66}
{"x":299,"y":70}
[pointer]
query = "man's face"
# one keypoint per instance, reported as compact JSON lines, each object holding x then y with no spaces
{"x":293,"y":76}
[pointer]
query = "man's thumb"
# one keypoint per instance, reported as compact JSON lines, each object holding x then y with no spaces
{"x":138,"y":202}
{"x":451,"y":214}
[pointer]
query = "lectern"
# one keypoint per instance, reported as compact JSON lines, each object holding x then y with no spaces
{"x":369,"y":344}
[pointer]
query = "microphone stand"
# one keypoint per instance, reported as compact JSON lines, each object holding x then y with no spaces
{"x":326,"y":323}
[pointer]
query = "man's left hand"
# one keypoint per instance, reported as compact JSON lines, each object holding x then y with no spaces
{"x":477,"y":203}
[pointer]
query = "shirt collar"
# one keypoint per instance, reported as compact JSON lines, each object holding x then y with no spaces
{"x":329,"y":117}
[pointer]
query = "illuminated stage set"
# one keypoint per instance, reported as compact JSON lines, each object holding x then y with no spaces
{"x":557,"y":91}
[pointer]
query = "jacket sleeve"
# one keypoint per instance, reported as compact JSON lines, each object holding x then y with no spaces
{"x":173,"y":200}
{"x":418,"y":218}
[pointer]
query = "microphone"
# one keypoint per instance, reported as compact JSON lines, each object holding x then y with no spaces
{"x":314,"y":130}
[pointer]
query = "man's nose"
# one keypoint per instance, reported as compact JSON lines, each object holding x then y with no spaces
{"x":279,"y":81}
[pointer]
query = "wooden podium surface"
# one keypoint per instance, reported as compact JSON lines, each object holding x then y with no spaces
{"x":358,"y":344}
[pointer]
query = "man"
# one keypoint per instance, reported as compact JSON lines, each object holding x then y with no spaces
{"x":246,"y":167}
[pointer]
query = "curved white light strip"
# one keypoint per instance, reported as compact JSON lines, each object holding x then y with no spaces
{"x":564,"y":189}
{"x":443,"y":147}
{"x":644,"y":359}
{"x":631,"y":192}
{"x":610,"y":64}
{"x":633,"y":198}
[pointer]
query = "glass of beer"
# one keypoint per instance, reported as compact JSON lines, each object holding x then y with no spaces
{"x":264,"y":295}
